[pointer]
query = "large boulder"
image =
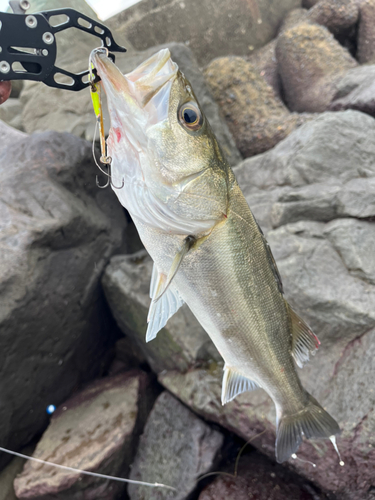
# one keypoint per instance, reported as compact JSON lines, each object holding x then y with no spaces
{"x":54,"y":109}
{"x":96,"y":430}
{"x":257,"y":118}
{"x":175,"y":449}
{"x":310,"y":62}
{"x":322,"y":179}
{"x":211,"y":28}
{"x":57,"y":233}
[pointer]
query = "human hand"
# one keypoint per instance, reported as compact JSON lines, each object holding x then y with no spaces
{"x":5,"y":89}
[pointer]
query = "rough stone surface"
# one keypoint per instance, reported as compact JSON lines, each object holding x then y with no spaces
{"x":72,"y":111}
{"x":256,"y":117}
{"x":175,"y":449}
{"x":366,"y":32}
{"x":356,"y":90}
{"x":324,"y":172}
{"x":336,"y":15}
{"x":181,"y":344}
{"x":96,"y":430}
{"x":264,"y":61}
{"x":9,"y":473}
{"x":307,"y":4}
{"x":211,"y":28}
{"x":57,"y":234}
{"x":259,"y":479}
{"x":11,"y":113}
{"x":310,"y":62}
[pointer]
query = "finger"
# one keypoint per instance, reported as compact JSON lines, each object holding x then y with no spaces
{"x":5,"y":89}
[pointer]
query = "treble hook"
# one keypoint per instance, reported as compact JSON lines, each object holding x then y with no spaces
{"x":106,"y":160}
{"x":109,"y":180}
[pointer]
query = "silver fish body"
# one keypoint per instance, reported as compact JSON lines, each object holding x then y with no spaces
{"x":207,"y":248}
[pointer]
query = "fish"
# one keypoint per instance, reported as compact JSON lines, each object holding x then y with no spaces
{"x":208,"y":250}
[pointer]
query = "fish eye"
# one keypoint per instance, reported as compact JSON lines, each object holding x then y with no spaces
{"x":190,"y":117}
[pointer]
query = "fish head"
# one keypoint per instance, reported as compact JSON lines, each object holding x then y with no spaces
{"x":162,"y":146}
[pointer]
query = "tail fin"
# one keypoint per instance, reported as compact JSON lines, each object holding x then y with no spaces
{"x":312,"y":422}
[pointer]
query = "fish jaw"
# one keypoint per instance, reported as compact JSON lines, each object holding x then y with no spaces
{"x":157,"y":161}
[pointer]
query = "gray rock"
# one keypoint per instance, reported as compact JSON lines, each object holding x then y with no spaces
{"x":321,"y":172}
{"x":264,"y":61}
{"x":210,"y":28}
{"x":179,"y":345}
{"x":72,"y":111}
{"x":356,"y":91}
{"x":310,"y":60}
{"x":57,"y":234}
{"x":354,"y":240}
{"x":175,"y":449}
{"x":366,"y":32}
{"x":96,"y":430}
{"x":338,"y":15}
{"x":10,"y":113}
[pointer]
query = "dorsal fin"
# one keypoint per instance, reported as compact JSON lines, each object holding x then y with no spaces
{"x":163,"y":309}
{"x":234,"y":384}
{"x":304,"y":341}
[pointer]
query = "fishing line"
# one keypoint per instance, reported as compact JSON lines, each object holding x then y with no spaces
{"x":87,"y":473}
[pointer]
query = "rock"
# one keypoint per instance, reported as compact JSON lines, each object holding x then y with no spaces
{"x":9,"y":137}
{"x":259,"y":479}
{"x":210,"y":28}
{"x":366,"y":32}
{"x":181,"y":344}
{"x":72,"y":111}
{"x":356,"y":91}
{"x":354,"y":240}
{"x":17,"y":86}
{"x":175,"y":449}
{"x":264,"y":60}
{"x":96,"y":430}
{"x":57,"y":233}
{"x":310,"y":62}
{"x":8,"y":474}
{"x":321,"y":172}
{"x":294,"y":17}
{"x":10,"y":113}
{"x":336,"y":15}
{"x":307,"y":4}
{"x":256,"y":117}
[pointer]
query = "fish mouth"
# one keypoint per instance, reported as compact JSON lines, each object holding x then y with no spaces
{"x":139,"y":86}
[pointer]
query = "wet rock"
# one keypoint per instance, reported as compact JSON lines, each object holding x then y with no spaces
{"x":259,"y":479}
{"x":354,"y":240}
{"x":310,"y":62}
{"x":210,"y":28}
{"x":72,"y":111}
{"x":57,"y":234}
{"x":336,"y":15}
{"x":356,"y":91}
{"x":175,"y":449}
{"x":96,"y":430}
{"x":256,"y":117}
{"x":366,"y":32}
{"x":179,"y":345}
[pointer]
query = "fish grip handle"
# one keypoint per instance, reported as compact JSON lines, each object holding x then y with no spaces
{"x":28,"y":46}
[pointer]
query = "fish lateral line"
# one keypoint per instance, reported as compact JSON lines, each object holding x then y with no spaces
{"x":87,"y":473}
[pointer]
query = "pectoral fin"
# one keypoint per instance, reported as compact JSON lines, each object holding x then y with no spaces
{"x":187,"y":244}
{"x":234,"y":384}
{"x":162,"y":310}
{"x":304,"y":341}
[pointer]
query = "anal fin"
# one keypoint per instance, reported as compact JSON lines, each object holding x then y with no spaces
{"x":234,"y":384}
{"x":162,"y":310}
{"x":304,"y":341}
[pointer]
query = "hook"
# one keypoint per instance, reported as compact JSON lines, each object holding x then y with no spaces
{"x":106,"y":160}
